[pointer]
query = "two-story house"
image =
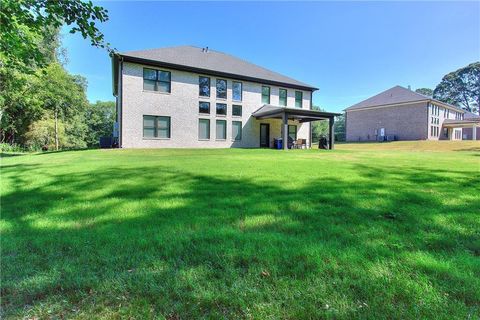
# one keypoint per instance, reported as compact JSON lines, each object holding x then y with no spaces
{"x":401,"y":114}
{"x":195,"y":97}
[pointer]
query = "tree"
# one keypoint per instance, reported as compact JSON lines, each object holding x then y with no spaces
{"x":100,"y":118}
{"x":23,"y":24}
{"x":425,"y":91}
{"x":340,"y":128}
{"x":461,"y":88}
{"x":61,"y":94}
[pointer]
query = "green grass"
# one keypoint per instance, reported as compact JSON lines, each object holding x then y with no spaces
{"x":378,"y":231}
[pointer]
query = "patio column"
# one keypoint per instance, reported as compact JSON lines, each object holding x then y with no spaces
{"x":331,"y":133}
{"x":285,"y":130}
{"x":474,"y":132}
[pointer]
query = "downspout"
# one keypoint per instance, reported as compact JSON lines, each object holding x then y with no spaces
{"x":120,"y":127}
{"x":310,"y":123}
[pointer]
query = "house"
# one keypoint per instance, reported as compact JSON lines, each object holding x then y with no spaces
{"x":401,"y":114}
{"x":196,"y":97}
{"x":470,"y":133}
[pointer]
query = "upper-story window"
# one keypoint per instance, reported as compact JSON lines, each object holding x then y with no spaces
{"x":282,"y":96}
{"x":222,"y":109}
{"x":298,"y":99}
{"x":156,"y":80}
{"x":266,"y":94}
{"x":236,"y":91}
{"x":221,"y":89}
{"x":204,"y":107}
{"x":204,"y":86}
{"x":236,"y":110}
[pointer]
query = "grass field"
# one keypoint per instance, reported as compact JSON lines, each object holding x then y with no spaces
{"x":377,"y":231}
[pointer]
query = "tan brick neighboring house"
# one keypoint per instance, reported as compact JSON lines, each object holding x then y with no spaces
{"x":193,"y":97}
{"x":401,"y":114}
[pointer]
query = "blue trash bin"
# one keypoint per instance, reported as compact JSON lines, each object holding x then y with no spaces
{"x":278,"y":143}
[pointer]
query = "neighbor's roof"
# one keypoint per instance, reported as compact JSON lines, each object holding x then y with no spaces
{"x":396,"y":95}
{"x":211,"y":62}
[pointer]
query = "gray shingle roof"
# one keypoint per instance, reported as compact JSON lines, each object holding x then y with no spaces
{"x":395,"y":95}
{"x":213,"y":61}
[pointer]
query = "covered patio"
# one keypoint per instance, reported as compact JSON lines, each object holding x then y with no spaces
{"x":268,"y":111}
{"x":451,"y":124}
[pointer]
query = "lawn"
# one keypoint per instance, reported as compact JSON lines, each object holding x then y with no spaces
{"x":377,"y":231}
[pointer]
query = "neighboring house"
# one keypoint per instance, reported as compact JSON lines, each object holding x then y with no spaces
{"x":195,"y":97}
{"x":401,"y":114}
{"x":468,"y":133}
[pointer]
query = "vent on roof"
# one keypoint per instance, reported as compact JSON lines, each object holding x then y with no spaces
{"x":205,"y":49}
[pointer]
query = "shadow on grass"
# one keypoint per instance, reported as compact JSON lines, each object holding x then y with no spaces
{"x":200,"y":245}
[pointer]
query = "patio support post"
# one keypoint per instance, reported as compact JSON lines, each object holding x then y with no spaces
{"x":331,"y":131}
{"x":474,"y":132}
{"x":285,"y":131}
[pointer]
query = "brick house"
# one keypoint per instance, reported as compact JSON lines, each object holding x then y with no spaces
{"x":401,"y":114}
{"x":195,"y":97}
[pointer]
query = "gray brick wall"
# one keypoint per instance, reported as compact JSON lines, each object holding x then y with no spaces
{"x":407,"y":122}
{"x":182,"y":106}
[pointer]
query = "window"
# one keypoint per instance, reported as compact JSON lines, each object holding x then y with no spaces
{"x":156,"y":80}
{"x":236,"y":110}
{"x":237,"y":91}
{"x":222,"y":109}
{"x":204,"y":107}
{"x":204,"y":86}
{"x":221,"y":89}
{"x":298,"y":99}
{"x":203,"y":129}
{"x":265,"y":94}
{"x":282,"y":94}
{"x":156,"y":127}
{"x":236,"y":130}
{"x":221,"y":130}
{"x":445,"y":132}
{"x":292,"y":132}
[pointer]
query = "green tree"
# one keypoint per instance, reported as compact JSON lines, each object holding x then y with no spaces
{"x":62,"y":96}
{"x":461,"y":88}
{"x":425,"y":91}
{"x":100,"y":117}
{"x":340,"y":133}
{"x":319,"y":128}
{"x":23,"y":24}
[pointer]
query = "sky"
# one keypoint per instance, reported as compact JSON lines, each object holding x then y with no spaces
{"x":349,"y":50}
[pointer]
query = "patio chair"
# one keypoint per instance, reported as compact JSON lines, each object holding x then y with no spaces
{"x":300,"y":143}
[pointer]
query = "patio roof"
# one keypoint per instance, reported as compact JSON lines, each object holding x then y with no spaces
{"x":268,"y":111}
{"x":450,"y":123}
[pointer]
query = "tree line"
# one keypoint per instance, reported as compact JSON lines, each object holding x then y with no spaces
{"x":42,"y":106}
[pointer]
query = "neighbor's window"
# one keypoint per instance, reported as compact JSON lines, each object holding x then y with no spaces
{"x":236,"y":130}
{"x":292,"y":132}
{"x":282,"y":94}
{"x":236,"y":110}
{"x":222,"y":109}
{"x":156,"y":127}
{"x":221,"y":89}
{"x":204,"y":86}
{"x":204,"y":107}
{"x":265,"y":94}
{"x":203,"y":129}
{"x":236,"y":91}
{"x":156,"y":80}
{"x":221,"y":130}
{"x":298,"y":99}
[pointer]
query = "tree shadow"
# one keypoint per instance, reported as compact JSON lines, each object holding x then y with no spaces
{"x":209,"y":246}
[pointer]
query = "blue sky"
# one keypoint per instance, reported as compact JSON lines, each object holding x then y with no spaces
{"x":350,"y":50}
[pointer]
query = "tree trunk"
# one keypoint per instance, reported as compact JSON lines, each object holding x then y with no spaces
{"x":56,"y":130}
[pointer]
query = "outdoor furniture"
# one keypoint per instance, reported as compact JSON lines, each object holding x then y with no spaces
{"x":300,"y":143}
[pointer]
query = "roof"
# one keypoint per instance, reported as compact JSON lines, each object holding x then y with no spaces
{"x":396,"y":95}
{"x":270,"y":111}
{"x":467,"y":123}
{"x":211,"y":62}
{"x":471,"y":116}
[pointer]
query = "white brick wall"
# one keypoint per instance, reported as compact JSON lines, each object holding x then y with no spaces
{"x":182,"y":106}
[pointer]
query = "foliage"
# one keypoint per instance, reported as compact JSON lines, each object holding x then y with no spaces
{"x":224,"y":234}
{"x":340,"y":133}
{"x":100,"y":117}
{"x":461,"y":88}
{"x":425,"y":91}
{"x":23,"y":24}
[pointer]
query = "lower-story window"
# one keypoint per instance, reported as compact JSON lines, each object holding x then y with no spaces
{"x":203,"y":129}
{"x":236,"y":130}
{"x":292,"y":132}
{"x":221,"y":130}
{"x":156,"y":127}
